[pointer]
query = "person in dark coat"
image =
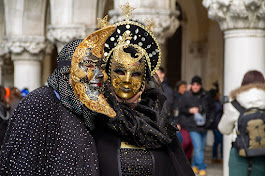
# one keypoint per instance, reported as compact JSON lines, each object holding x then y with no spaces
{"x":183,"y":134}
{"x":141,"y":109}
{"x":197,"y":103}
{"x":218,"y":137}
{"x":166,"y":87}
{"x":49,"y":132}
{"x":181,"y":88}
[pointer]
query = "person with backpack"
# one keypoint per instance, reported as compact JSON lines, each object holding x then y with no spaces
{"x":244,"y":118}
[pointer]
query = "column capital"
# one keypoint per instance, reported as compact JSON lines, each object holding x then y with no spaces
{"x":61,"y":35}
{"x":27,"y":57}
{"x":31,"y":44}
{"x":165,"y":21}
{"x":49,"y":48}
{"x":237,"y":14}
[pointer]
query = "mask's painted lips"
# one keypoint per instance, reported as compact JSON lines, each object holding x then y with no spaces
{"x":99,"y":84}
{"x":126,"y":90}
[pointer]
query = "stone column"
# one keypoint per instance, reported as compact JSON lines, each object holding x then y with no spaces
{"x":158,"y":12}
{"x":47,"y":62}
{"x":2,"y":45}
{"x":1,"y":66}
{"x":71,"y":19}
{"x":3,"y":52}
{"x":243,"y":23}
{"x":27,"y":54}
{"x":25,"y":31}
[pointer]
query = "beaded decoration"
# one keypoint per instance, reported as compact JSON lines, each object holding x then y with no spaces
{"x":141,"y":35}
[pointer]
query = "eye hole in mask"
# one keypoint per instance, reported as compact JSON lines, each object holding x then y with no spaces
{"x":136,"y":74}
{"x":119,"y":72}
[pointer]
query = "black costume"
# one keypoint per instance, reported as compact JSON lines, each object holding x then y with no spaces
{"x":4,"y":118}
{"x":48,"y":136}
{"x":169,"y":94}
{"x":162,"y":153}
{"x":141,"y":139}
{"x":204,"y":102}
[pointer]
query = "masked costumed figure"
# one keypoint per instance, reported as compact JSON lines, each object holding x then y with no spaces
{"x":141,"y":139}
{"x":49,"y":133}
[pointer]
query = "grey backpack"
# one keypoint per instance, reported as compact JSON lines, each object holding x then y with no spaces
{"x":250,"y":141}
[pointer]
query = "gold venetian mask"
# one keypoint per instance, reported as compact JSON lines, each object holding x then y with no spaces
{"x":128,"y":68}
{"x":87,"y":71}
{"x":127,"y":71}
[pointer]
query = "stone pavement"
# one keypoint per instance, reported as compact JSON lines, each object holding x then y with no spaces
{"x":215,"y":169}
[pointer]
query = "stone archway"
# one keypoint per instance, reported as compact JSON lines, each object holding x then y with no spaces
{"x":201,"y":46}
{"x":174,"y":53}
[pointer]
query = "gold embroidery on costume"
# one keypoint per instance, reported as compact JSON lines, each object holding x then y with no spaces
{"x":127,"y":145}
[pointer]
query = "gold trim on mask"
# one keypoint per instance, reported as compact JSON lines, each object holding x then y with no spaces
{"x":152,"y":71}
{"x":126,"y":62}
{"x":125,"y":58}
{"x":119,"y":82}
{"x":100,"y":105}
{"x":93,"y":45}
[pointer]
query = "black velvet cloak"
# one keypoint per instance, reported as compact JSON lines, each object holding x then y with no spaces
{"x":146,"y":124}
{"x":48,"y":133}
{"x":45,"y":138}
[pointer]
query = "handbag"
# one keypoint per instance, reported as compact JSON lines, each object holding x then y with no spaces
{"x":200,"y":119}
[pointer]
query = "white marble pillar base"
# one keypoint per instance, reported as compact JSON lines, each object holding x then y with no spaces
{"x":27,"y":70}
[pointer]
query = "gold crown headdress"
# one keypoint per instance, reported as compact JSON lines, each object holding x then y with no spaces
{"x":141,"y":37}
{"x":125,"y":58}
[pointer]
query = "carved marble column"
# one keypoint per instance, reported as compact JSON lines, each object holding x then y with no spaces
{"x":27,"y":54}
{"x":47,"y":63}
{"x":243,"y":23}
{"x":61,"y":35}
{"x":158,"y":12}
{"x":71,"y":19}
{"x":25,"y":31}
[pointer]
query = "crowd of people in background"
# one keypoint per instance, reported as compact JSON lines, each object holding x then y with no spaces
{"x":195,"y":111}
{"x":9,"y":99}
